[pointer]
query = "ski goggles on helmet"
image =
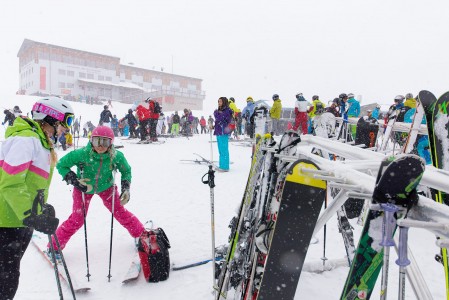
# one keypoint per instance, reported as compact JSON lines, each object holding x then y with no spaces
{"x":65,"y":120}
{"x":98,"y":141}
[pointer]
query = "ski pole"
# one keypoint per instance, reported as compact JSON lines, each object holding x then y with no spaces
{"x":389,"y":224}
{"x":81,"y":167}
{"x":114,"y":172}
{"x":65,"y":266}
{"x":211,"y":182}
{"x":402,"y":260}
{"x":55,"y":266}
{"x":324,"y":238}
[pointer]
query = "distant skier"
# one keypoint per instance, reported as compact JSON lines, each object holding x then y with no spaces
{"x":300,"y":114}
{"x":275,"y":114}
{"x":9,"y":117}
{"x":106,"y":117}
{"x":248,"y":116}
{"x":175,"y":124}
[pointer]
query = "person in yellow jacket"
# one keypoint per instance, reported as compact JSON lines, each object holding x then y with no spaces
{"x":312,"y":109}
{"x":275,"y":114}
{"x":237,"y":115}
{"x":410,"y":102}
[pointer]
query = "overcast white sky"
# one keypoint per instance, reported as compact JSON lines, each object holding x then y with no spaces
{"x":241,"y":48}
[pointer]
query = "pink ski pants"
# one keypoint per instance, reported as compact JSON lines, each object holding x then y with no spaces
{"x":76,"y":219}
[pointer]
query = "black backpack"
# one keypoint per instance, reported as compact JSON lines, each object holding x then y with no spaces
{"x":157,"y":107}
{"x":154,"y":257}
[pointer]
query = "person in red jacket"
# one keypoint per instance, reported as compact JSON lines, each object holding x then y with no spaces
{"x":143,"y":114}
{"x":203,"y":124}
{"x":154,"y":118}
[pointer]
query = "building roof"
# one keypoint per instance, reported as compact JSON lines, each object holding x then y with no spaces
{"x":128,"y":85}
{"x":29,"y":43}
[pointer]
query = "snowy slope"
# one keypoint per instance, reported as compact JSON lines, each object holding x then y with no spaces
{"x":171,"y":193}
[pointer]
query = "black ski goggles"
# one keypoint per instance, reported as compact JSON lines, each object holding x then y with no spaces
{"x":98,"y":141}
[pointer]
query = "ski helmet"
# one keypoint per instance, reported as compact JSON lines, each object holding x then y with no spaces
{"x":249,"y":99}
{"x":409,"y":96}
{"x":336,"y":101}
{"x":231,"y":99}
{"x":102,"y":132}
{"x":342,"y":96}
{"x":275,"y":97}
{"x":399,"y":99}
{"x":105,"y":107}
{"x":299,"y":95}
{"x":130,"y":111}
{"x":52,"y":110}
{"x":315,"y":97}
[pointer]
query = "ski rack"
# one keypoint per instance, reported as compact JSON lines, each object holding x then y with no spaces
{"x":348,"y":176}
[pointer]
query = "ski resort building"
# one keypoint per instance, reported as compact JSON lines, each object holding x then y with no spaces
{"x":78,"y":75}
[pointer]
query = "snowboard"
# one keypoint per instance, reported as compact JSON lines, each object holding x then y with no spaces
{"x":440,"y":159}
{"x":366,"y":133}
{"x":299,"y":207}
{"x":389,"y":188}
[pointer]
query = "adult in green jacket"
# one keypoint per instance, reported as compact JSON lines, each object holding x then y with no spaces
{"x":275,"y":114}
{"x":27,"y":160}
{"x":95,"y":165}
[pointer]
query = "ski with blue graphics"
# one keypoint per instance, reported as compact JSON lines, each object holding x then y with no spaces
{"x":40,"y":241}
{"x":398,"y":190}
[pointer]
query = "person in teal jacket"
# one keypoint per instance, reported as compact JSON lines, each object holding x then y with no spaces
{"x":27,"y":160}
{"x":95,"y":165}
{"x":353,"y":112}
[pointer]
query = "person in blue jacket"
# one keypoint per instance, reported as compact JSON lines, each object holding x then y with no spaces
{"x":354,"y":106}
{"x":223,"y":116}
{"x":247,"y":114}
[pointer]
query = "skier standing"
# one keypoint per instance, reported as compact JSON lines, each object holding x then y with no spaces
{"x":132,"y":123}
{"x":98,"y":160}
{"x":143,"y":114}
{"x":28,"y":161}
{"x":9,"y":117}
{"x":105,"y":117}
{"x":175,"y":124}
{"x":247,"y":114}
{"x":300,"y":113}
{"x":203,"y":124}
{"x":275,"y":114}
{"x":153,"y":118}
{"x":223,"y":116}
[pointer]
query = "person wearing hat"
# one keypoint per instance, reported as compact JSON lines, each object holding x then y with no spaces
{"x":247,"y":115}
{"x":237,"y":116}
{"x":106,"y":117}
{"x":354,"y":106}
{"x":300,"y":114}
{"x":410,"y":102}
{"x":275,"y":114}
{"x":9,"y":117}
{"x":334,"y":108}
{"x":376,"y":112}
{"x":175,"y":124}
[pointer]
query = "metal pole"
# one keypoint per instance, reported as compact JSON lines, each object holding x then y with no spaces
{"x":81,"y":167}
{"x":114,"y":172}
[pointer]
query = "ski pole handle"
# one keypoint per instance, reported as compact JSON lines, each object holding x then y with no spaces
{"x":389,"y":223}
{"x":403,"y":260}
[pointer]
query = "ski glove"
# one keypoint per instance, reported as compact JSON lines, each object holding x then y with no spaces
{"x":80,"y":184}
{"x":125,"y":195}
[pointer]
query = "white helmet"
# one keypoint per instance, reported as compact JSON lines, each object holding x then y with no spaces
{"x":52,"y":110}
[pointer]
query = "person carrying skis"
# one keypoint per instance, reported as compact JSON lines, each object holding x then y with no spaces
{"x":223,"y":117}
{"x":28,"y":159}
{"x":300,"y":113}
{"x":9,"y":117}
{"x":96,"y":164}
{"x":247,"y":114}
{"x":275,"y":114}
{"x":105,"y":117}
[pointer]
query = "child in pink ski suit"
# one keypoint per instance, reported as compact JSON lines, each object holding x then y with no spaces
{"x":95,"y":164}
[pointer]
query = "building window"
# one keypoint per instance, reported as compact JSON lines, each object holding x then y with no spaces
{"x":61,"y":72}
{"x":108,"y":78}
{"x":61,"y":85}
{"x":82,"y":75}
{"x":100,"y":77}
{"x":70,"y":85}
{"x":71,"y":73}
{"x":90,"y":76}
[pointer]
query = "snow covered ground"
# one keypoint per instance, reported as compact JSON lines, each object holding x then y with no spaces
{"x":170,"y":193}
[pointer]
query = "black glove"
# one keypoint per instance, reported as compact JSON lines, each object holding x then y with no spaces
{"x":80,"y":184}
{"x":45,"y":222}
{"x":125,"y":195}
